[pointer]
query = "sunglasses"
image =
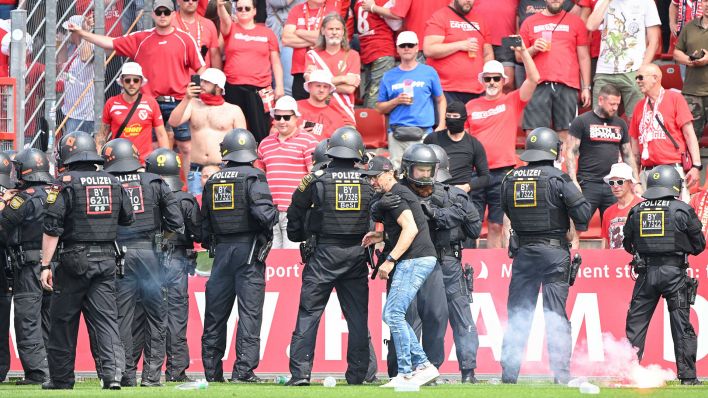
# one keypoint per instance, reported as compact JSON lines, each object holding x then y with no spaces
{"x":488,"y":79}
{"x":243,"y":9}
{"x":640,"y":78}
{"x":407,"y":45}
{"x":187,"y":1}
{"x":163,"y":12}
{"x":129,"y":80}
{"x":282,"y":117}
{"x":619,"y":183}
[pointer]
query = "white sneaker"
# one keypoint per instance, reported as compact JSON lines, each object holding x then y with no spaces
{"x":425,"y":375}
{"x":399,"y":381}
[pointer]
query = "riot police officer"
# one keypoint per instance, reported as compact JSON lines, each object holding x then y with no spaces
{"x":83,"y":212}
{"x":661,"y":232}
{"x":156,"y":210}
{"x":179,"y":260}
{"x":320,"y":160}
{"x":339,"y":220}
{"x":18,"y":226}
{"x":237,"y":227}
{"x":6,"y":274}
{"x":539,"y":200}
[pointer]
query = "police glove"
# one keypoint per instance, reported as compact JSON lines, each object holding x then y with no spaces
{"x":428,"y":210}
{"x":389,"y":201}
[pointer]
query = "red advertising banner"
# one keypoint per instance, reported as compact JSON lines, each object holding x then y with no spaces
{"x":597,"y":308}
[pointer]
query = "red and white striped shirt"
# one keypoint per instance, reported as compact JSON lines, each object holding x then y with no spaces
{"x":286,"y":163}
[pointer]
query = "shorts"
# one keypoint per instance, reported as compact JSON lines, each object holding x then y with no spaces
{"x":489,"y":198}
{"x":181,"y":132}
{"x":551,"y":102}
{"x":504,"y":55}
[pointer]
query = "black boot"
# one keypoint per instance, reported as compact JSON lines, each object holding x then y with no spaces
{"x":468,"y":376}
{"x":691,"y":382}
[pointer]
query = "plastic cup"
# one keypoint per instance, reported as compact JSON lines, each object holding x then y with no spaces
{"x":472,"y":54}
{"x":547,"y":36}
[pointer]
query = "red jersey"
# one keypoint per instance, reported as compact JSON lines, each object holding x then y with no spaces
{"x":250,"y":47}
{"x":699,"y":202}
{"x":596,"y":36}
{"x":560,"y":64}
{"x":139,"y":128}
{"x":502,"y":14}
{"x":113,"y":26}
{"x":326,"y":119}
{"x":494,"y":123}
{"x":375,"y":36}
{"x":167,"y":60}
{"x":202,"y":30}
{"x":415,"y":14}
{"x":654,"y":146}
{"x":4,"y":58}
{"x":458,"y":71}
{"x":613,"y":220}
{"x":201,"y":10}
{"x":306,"y":18}
{"x":339,"y":63}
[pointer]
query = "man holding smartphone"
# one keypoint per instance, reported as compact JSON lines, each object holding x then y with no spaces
{"x":319,"y":118}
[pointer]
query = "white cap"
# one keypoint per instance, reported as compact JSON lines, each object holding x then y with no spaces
{"x":75,"y":19}
{"x":7,"y":39}
{"x":620,"y":170}
{"x":407,"y":37}
{"x":492,"y":67}
{"x":320,"y":76}
{"x":285,"y":103}
{"x":213,"y":75}
{"x":134,"y":69}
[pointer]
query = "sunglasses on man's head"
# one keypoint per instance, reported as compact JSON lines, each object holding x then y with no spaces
{"x":619,"y":183}
{"x":488,"y":79}
{"x":407,"y":45}
{"x":282,"y":117}
{"x":129,"y":80}
{"x":243,"y":9}
{"x":163,"y":11}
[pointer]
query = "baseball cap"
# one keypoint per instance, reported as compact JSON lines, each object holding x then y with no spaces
{"x":320,"y":76}
{"x":407,"y":37}
{"x":75,"y":19}
{"x":620,"y":170}
{"x":213,"y":75}
{"x":457,"y":107}
{"x":285,"y":103}
{"x":163,"y":3}
{"x":378,"y":165}
{"x":133,"y":68}
{"x":492,"y":67}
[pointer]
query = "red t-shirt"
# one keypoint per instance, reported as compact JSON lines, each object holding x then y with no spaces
{"x":613,"y":224}
{"x":560,"y":64}
{"x":202,"y":31}
{"x":501,"y":13}
{"x":249,"y":47}
{"x":167,"y":60}
{"x":458,"y":71}
{"x":4,"y":59}
{"x":415,"y":14}
{"x":339,"y":63}
{"x":375,"y":36}
{"x":305,"y":18}
{"x":674,"y":112}
{"x":326,"y":119}
{"x":114,"y":28}
{"x":139,"y":129}
{"x":201,"y":10}
{"x":699,"y":202}
{"x":596,"y":36}
{"x":494,"y":124}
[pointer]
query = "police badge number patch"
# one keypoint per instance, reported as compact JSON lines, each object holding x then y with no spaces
{"x":524,"y":193}
{"x":222,"y":196}
{"x":53,"y":193}
{"x":348,"y":197}
{"x":98,"y":200}
{"x":651,"y":223}
{"x":135,"y":193}
{"x":16,"y":202}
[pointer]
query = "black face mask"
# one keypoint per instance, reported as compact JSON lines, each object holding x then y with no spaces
{"x":455,"y":125}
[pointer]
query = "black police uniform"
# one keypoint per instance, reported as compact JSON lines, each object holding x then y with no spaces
{"x":6,"y":282}
{"x":84,"y":210}
{"x":237,"y":210}
{"x":539,"y":199}
{"x":663,"y":231}
{"x":339,"y":199}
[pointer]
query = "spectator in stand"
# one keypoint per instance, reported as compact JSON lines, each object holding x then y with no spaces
{"x":415,"y":15}
{"x":168,"y":57}
{"x":202,"y":31}
{"x":493,"y":120}
{"x":332,"y":54}
{"x":378,"y":50}
{"x":78,"y":75}
{"x":5,"y":28}
{"x":410,"y":94}
{"x":5,"y":7}
{"x":692,"y":50}
{"x":457,"y":44}
{"x":621,"y":181}
{"x":146,"y":117}
{"x":558,"y":42}
{"x":661,"y":111}
{"x":319,"y":118}
{"x":630,"y":38}
{"x":301,"y":32}
{"x":597,"y":140}
{"x":528,"y":8}
{"x":249,"y":43}
{"x":503,"y":15}
{"x":286,"y":157}
{"x":681,"y":12}
{"x":699,"y":202}
{"x":277,"y":11}
{"x":587,"y":7}
{"x":210,"y":118}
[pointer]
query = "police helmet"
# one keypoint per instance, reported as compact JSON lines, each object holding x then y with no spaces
{"x":541,"y":144}
{"x":32,"y":165}
{"x":419,"y":155}
{"x":76,"y":147}
{"x":165,"y":163}
{"x":239,"y":146}
{"x":319,"y":156}
{"x":442,"y":174}
{"x":346,"y":143}
{"x":6,"y":171}
{"x":663,"y":181}
{"x":121,"y":156}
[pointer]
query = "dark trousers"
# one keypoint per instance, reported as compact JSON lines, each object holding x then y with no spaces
{"x":427,"y":314}
{"x":464,"y":331}
{"x":668,"y":282}
{"x":5,"y":304}
{"x":232,"y":277}
{"x":299,"y":87}
{"x":31,"y":321}
{"x":248,"y":99}
{"x":537,"y":267}
{"x":342,"y":268}
{"x":598,"y":194}
{"x":85,"y":283}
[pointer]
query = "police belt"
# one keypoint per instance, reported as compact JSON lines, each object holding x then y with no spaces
{"x":244,"y":237}
{"x":137,"y":244}
{"x":340,"y":240}
{"x":29,"y":255}
{"x":668,"y":261}
{"x":181,"y":250}
{"x":560,"y":242}
{"x":89,"y":246}
{"x":452,"y":250}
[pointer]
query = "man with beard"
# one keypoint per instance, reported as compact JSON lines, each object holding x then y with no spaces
{"x":318,"y":117}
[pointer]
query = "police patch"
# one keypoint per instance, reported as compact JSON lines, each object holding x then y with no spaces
{"x":16,"y":202}
{"x":524,"y":193}
{"x":53,"y":193}
{"x":305,"y":182}
{"x":223,"y":196}
{"x":651,"y":223}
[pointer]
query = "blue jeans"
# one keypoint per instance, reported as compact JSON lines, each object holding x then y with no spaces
{"x":194,"y":182}
{"x":5,"y":10}
{"x":407,"y":279}
{"x":182,"y":131}
{"x":79,"y":125}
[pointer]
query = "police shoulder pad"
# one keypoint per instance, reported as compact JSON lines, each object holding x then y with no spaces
{"x":66,"y":178}
{"x":566,"y":177}
{"x":16,"y":202}
{"x":308,"y":179}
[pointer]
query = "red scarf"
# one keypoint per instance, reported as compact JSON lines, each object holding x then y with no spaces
{"x":212,"y":99}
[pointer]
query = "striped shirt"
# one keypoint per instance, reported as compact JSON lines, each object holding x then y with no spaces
{"x":78,"y":75}
{"x":285,"y":164}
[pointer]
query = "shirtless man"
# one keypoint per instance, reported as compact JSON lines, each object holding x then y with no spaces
{"x":210,"y":118}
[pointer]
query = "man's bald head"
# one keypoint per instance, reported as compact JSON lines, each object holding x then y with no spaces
{"x":650,"y":69}
{"x":649,"y":79}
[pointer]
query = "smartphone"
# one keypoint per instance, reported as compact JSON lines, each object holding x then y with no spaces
{"x":309,"y":124}
{"x":697,"y":57}
{"x":196,"y":79}
{"x":511,"y":41}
